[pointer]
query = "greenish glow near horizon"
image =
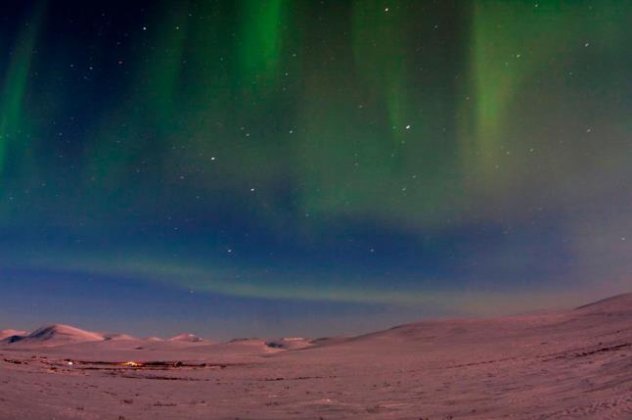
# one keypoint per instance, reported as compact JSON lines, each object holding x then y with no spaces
{"x":263,"y":285}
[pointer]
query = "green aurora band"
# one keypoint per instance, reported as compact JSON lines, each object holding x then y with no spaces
{"x":304,"y":118}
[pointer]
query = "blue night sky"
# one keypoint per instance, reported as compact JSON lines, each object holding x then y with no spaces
{"x":294,"y":167}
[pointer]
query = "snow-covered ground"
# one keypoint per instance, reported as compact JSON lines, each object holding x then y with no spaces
{"x":572,"y":364}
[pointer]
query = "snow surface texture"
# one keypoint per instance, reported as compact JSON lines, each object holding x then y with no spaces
{"x":571,"y":364}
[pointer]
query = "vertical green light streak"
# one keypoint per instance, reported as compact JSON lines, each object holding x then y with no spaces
{"x":510,"y":43}
{"x":160,"y":72}
{"x":379,"y":51}
{"x":262,"y":24}
{"x":16,"y":81}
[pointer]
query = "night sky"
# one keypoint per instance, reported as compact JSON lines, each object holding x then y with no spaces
{"x":269,"y":167}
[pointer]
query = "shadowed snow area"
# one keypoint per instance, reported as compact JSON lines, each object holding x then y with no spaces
{"x":11,"y":333}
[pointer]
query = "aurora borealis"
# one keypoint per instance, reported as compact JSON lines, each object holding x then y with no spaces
{"x":207,"y":163}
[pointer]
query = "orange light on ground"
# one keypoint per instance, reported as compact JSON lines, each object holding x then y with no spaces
{"x":132,"y":364}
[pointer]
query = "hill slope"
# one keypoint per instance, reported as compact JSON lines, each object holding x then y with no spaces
{"x":56,"y":335}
